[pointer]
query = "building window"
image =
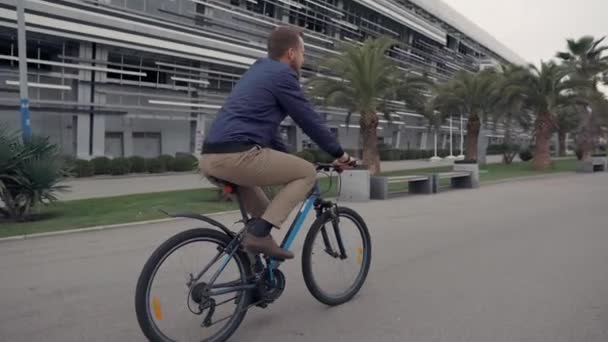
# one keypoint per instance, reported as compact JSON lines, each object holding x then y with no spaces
{"x":262,"y":7}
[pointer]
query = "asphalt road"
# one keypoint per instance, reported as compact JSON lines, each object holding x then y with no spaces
{"x":521,"y":261}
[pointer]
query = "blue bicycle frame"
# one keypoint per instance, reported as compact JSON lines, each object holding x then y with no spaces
{"x":286,"y":244}
{"x":297,"y":224}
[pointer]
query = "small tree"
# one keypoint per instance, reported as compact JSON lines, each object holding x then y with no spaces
{"x":29,"y":174}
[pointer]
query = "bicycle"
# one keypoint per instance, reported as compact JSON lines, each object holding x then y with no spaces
{"x":259,"y":281}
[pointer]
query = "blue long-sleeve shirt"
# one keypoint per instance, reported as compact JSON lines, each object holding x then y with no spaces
{"x":260,"y":101}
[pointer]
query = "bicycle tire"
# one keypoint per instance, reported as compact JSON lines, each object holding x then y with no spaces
{"x":307,"y":271}
{"x":143,"y":313}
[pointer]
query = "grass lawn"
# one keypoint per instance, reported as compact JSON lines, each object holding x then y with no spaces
{"x":132,"y":208}
{"x":491,"y":172}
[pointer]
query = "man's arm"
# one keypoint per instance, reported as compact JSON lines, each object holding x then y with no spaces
{"x":290,"y":96}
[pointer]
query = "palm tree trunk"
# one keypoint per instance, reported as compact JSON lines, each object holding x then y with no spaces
{"x":369,"y":133}
{"x":585,"y":143}
{"x":508,"y":153}
{"x":473,"y":125}
{"x":561,"y":137}
{"x":542,"y":154}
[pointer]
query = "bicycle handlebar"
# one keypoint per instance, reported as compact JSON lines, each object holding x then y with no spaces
{"x":338,"y":168}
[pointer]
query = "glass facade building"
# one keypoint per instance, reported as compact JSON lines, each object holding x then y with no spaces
{"x":145,"y":77}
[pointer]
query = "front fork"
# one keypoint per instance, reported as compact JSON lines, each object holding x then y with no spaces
{"x":335,"y":222}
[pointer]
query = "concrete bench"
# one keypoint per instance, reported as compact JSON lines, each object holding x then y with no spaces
{"x":458,"y":179}
{"x":417,"y":184}
{"x":595,"y":164}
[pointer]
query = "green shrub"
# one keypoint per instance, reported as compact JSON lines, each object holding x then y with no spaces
{"x":501,"y":148}
{"x":390,"y":154}
{"x":101,"y":165}
{"x":184,"y":163}
{"x":29,"y":174}
{"x":138,"y":164}
{"x":306,"y":155}
{"x":83,"y":168}
{"x":526,"y":155}
{"x":167,"y":161}
{"x":155,"y":165}
{"x":120,"y":166}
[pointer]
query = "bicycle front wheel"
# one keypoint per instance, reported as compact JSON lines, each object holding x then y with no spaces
{"x":336,"y":256}
{"x":170,"y":298}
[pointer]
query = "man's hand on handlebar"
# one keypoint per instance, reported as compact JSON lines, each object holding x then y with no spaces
{"x":345,"y":162}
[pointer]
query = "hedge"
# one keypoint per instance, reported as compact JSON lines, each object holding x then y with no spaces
{"x":120,"y":166}
{"x":83,"y":168}
{"x":138,"y":164}
{"x":184,"y":163}
{"x":101,"y":165}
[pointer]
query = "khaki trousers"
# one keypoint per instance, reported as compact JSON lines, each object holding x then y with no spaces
{"x":263,"y":167}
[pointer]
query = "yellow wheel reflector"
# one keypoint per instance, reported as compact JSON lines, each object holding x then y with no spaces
{"x":156,"y":306}
{"x":360,"y":256}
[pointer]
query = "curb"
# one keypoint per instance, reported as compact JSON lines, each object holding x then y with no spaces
{"x":131,"y":175}
{"x":518,"y":179}
{"x":105,"y":227}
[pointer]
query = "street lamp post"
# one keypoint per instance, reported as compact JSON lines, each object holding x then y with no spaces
{"x":24,"y":104}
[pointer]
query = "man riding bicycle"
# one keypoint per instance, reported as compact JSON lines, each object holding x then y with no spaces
{"x":244,"y":146}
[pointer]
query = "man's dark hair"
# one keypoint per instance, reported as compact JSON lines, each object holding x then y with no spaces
{"x":282,"y":39}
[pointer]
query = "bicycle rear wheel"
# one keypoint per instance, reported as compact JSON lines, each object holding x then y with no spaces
{"x":336,"y":257}
{"x":172,"y":307}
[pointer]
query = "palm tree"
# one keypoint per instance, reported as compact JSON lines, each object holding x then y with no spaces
{"x":365,"y":83}
{"x":468,"y":94}
{"x":545,"y":90}
{"x":586,"y":62}
{"x":585,"y":58}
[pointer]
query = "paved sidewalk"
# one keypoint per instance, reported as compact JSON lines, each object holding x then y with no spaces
{"x":115,"y":186}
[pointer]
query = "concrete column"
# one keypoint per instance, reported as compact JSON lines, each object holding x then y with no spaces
{"x":83,"y":143}
{"x":82,"y":136}
{"x":99,"y":136}
{"x":423,"y":140}
{"x":398,"y":139}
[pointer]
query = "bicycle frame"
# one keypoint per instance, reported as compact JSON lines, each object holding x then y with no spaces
{"x":272,"y":264}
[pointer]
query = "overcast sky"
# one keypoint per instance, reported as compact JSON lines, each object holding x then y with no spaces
{"x":536,"y":29}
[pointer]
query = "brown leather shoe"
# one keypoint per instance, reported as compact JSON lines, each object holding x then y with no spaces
{"x":265,"y":245}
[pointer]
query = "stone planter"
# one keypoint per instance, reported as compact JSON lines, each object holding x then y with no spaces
{"x":597,"y":163}
{"x":355,"y":186}
{"x":469,"y":165}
